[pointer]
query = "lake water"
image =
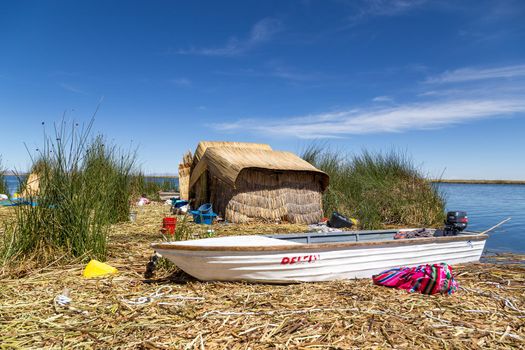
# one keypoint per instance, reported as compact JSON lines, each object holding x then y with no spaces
{"x":173,"y":181}
{"x":12,"y":181}
{"x":486,"y":205}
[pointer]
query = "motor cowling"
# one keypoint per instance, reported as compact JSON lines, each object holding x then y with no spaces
{"x":456,"y":221}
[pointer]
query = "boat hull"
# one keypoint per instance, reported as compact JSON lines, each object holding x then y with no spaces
{"x":304,"y":263}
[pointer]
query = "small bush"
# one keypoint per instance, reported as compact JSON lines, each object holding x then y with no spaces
{"x":378,"y":189}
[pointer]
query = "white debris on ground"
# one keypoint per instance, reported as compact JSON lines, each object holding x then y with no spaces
{"x":322,"y":227}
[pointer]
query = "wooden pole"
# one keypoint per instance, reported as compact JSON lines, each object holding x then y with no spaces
{"x":495,"y":226}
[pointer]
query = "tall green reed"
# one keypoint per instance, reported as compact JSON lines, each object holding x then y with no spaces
{"x":113,"y":170}
{"x":3,"y":181}
{"x":84,"y":186}
{"x":378,"y":188}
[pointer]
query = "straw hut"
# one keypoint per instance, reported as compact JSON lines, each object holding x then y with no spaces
{"x":255,"y":182}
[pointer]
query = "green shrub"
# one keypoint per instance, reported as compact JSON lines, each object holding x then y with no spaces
{"x":379,"y":189}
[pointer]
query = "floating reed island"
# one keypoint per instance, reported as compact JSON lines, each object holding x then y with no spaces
{"x":175,"y":311}
{"x":85,"y":187}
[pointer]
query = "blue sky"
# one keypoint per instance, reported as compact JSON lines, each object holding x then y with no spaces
{"x":443,"y":81}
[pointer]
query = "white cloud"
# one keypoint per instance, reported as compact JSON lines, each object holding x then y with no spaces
{"x":439,"y":108}
{"x":473,"y":74}
{"x":261,"y":32}
{"x":415,"y":116}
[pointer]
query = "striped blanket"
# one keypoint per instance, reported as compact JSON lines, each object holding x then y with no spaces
{"x":425,"y":279}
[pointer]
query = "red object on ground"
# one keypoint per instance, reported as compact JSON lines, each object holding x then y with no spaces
{"x":169,"y":225}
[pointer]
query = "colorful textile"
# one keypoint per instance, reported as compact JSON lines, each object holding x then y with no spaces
{"x":424,"y":279}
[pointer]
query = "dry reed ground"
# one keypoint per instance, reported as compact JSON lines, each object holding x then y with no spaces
{"x":488,"y":312}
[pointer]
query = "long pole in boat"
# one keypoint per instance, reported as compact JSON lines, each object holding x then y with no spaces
{"x":495,"y":226}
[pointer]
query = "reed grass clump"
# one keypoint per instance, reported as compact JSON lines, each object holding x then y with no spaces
{"x":83,"y":187}
{"x":110,"y":172}
{"x":3,"y":181}
{"x":379,"y":189}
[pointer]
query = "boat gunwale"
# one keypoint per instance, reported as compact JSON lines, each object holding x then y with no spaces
{"x":324,"y":246}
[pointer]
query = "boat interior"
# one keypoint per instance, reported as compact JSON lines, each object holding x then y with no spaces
{"x":360,"y":236}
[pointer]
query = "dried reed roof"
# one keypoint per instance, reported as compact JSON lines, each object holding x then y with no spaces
{"x":204,"y":145}
{"x":32,"y":186}
{"x":226,"y":163}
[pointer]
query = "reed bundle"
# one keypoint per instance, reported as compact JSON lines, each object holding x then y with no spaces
{"x":184,"y":180}
{"x":184,"y":175}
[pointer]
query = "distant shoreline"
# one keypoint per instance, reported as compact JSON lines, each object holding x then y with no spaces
{"x":486,"y":182}
{"x":168,"y":176}
{"x":12,"y":173}
{"x":453,"y":181}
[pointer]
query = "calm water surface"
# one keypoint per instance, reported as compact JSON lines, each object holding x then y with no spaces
{"x":12,"y":181}
{"x":486,"y":205}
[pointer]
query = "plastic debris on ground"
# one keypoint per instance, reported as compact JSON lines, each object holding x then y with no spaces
{"x":338,"y":220}
{"x":143,"y":201}
{"x":179,"y":206}
{"x":63,"y":299}
{"x":204,"y":214}
{"x":96,"y":268}
{"x":322,"y":227}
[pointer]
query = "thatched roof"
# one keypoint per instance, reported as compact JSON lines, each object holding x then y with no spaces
{"x":204,"y":145}
{"x":226,"y":163}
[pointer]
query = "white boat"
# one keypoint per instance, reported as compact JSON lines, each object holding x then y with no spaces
{"x":312,"y":257}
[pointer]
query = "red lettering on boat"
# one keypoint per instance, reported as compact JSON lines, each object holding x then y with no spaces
{"x":300,"y":259}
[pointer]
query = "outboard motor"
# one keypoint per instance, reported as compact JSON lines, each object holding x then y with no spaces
{"x":456,"y":222}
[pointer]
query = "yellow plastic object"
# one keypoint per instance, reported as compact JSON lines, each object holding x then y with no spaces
{"x":354,"y":221}
{"x":96,"y":268}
